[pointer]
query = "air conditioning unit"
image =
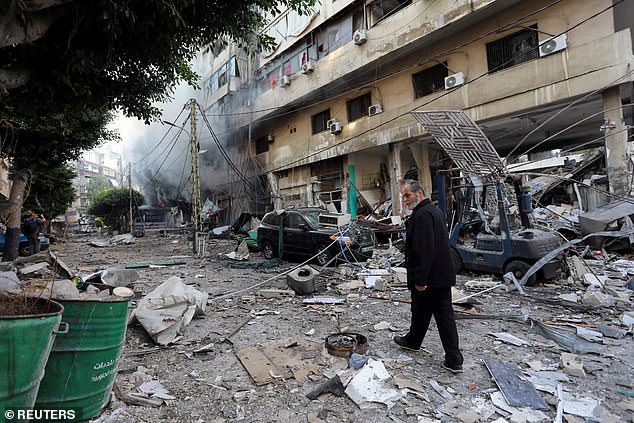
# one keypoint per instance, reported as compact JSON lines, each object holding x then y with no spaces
{"x":334,"y":219}
{"x":308,"y":67}
{"x":334,"y":126}
{"x":375,"y":109}
{"x":359,"y":36}
{"x":285,"y":81}
{"x":553,"y":45}
{"x":455,"y":80}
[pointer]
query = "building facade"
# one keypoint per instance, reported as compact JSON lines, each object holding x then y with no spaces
{"x":326,"y":114}
{"x":105,"y":162}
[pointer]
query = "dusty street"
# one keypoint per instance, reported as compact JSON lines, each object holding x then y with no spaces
{"x":213,"y":386}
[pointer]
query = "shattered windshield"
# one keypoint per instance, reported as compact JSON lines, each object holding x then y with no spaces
{"x":312,"y":217}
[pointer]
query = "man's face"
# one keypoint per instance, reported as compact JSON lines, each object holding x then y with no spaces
{"x":410,"y":198}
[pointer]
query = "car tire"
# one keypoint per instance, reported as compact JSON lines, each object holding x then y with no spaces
{"x":458,"y":264}
{"x":519,"y":269}
{"x":322,"y":255}
{"x":268,"y":250}
{"x":24,"y":250}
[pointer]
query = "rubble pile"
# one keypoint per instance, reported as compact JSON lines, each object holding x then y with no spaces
{"x":258,"y":352}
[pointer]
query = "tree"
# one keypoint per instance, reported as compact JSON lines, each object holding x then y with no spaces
{"x":113,"y":206}
{"x":62,"y":60}
{"x":97,"y":184}
{"x":128,"y":55}
{"x":39,"y":143}
{"x":51,"y":191}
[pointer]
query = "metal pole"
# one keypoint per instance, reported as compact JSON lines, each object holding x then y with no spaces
{"x":130,"y":194}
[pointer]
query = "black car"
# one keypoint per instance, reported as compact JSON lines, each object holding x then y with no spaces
{"x":302,"y":235}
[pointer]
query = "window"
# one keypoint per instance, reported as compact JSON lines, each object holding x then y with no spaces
{"x":430,"y":80}
{"x":358,"y":107}
{"x":272,"y":219}
{"x":378,"y":10}
{"x":262,"y":145}
{"x":513,"y":49}
{"x":223,"y":75}
{"x":293,"y":220}
{"x":320,"y":121}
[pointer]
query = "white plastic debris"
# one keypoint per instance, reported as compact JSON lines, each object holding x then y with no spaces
{"x":165,"y":312}
{"x":372,"y":384}
{"x":579,"y":406}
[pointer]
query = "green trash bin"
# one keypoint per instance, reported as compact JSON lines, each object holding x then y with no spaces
{"x":25,"y":344}
{"x":82,"y":366}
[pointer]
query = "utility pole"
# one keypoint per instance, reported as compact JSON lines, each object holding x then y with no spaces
{"x":195,"y":148}
{"x":130,"y":195}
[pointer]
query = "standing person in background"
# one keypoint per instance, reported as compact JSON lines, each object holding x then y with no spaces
{"x":31,"y":227}
{"x":430,"y":276}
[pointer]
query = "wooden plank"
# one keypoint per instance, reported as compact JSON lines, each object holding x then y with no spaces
{"x":517,"y":391}
{"x":259,"y":367}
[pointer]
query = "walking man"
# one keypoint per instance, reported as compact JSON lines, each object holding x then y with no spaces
{"x":430,"y":276}
{"x":31,"y":228}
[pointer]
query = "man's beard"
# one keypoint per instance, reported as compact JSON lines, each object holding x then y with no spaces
{"x":412,"y":205}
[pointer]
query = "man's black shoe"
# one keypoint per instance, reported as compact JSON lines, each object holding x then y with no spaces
{"x":402,"y":342}
{"x":456,"y":368}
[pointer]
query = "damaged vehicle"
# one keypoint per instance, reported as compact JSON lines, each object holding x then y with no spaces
{"x":308,"y":231}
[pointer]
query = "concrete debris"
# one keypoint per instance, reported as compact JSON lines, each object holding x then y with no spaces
{"x":276,"y":293}
{"x":597,"y":299}
{"x":580,"y":406}
{"x":440,"y":390}
{"x":9,"y":282}
{"x":627,"y":319}
{"x":572,"y":364}
{"x":371,"y":384}
{"x":170,"y":307}
{"x":515,"y":414}
{"x":611,"y":332}
{"x":122,"y":239}
{"x":569,"y":297}
{"x":302,"y":280}
{"x":384,"y":325}
{"x":510,"y":339}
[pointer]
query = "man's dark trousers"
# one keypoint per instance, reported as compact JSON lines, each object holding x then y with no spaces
{"x":436,"y":302}
{"x":34,"y":243}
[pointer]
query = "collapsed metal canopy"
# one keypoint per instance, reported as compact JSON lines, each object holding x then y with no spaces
{"x":463,"y":140}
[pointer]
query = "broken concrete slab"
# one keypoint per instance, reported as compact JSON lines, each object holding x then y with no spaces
{"x":276,"y":293}
{"x":9,"y":282}
{"x":593,"y":298}
{"x":572,"y":364}
{"x":302,"y":280}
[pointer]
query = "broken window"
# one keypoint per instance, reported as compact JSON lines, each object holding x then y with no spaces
{"x":358,"y":107}
{"x":262,"y":145}
{"x":513,"y":49}
{"x":380,"y":9}
{"x":223,"y":75}
{"x":430,"y":80}
{"x":320,"y":121}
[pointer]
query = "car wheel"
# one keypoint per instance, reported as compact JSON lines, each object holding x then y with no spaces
{"x":24,"y":250}
{"x":519,"y":269}
{"x":458,"y":264}
{"x":322,"y":255}
{"x":268,"y":250}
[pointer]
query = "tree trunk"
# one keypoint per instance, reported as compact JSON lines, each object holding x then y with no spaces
{"x":16,"y":198}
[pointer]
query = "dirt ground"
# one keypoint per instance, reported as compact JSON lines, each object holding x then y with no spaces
{"x":215,"y":387}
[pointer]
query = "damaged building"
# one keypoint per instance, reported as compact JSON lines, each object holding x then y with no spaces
{"x":324,"y":116}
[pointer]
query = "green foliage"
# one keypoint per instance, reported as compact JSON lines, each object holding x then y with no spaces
{"x":128,"y":55}
{"x":113,"y":205}
{"x":97,"y":184}
{"x":52,"y":139}
{"x":51,"y":191}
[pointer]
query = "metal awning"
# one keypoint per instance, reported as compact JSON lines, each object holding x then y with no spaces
{"x":464,"y":142}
